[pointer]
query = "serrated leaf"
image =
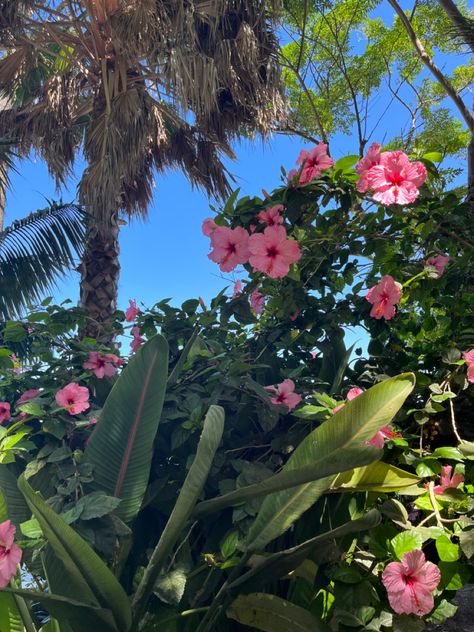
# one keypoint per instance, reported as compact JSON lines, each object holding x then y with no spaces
{"x":405,"y":542}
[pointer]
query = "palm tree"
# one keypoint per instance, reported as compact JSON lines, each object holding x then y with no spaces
{"x":35,"y":252}
{"x":141,"y":86}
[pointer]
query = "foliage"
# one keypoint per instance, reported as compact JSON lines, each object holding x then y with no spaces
{"x":35,"y":252}
{"x":233,"y":505}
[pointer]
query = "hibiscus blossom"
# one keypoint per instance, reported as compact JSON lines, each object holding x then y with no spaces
{"x":237,"y":288}
{"x":10,"y":553}
{"x":384,"y":296}
{"x":469,"y":360}
{"x":27,"y":395}
{"x":285,"y":394}
{"x":371,"y":158}
{"x":410,"y":584}
{"x":447,"y":481}
{"x":74,"y":398}
{"x":102,"y":365}
{"x":132,"y":311}
{"x":208,"y":226}
{"x":313,"y":161}
{"x":378,"y":439}
{"x":4,"y":411}
{"x":257,"y":301}
{"x":395,"y":180}
{"x":230,"y":247}
{"x":272,"y":252}
{"x":137,"y":339}
{"x":271,"y":216}
{"x":352,"y":394}
{"x":439,"y":262}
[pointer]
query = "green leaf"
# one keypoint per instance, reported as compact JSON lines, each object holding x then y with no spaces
{"x":12,"y":503}
{"x":31,"y":529}
{"x":51,"y":626}
{"x":466,"y":540}
{"x":350,"y":427}
{"x":83,"y":617}
{"x":85,"y":571}
{"x":378,"y":476}
{"x":447,"y":550}
{"x":120,"y":446}
{"x":10,"y":619}
{"x":433,"y":156}
{"x":346,"y":162}
{"x":443,"y":611}
{"x":273,"y":614}
{"x":284,"y":480}
{"x":190,"y":491}
{"x":229,"y":545}
{"x":405,"y":542}
{"x":31,"y":408}
{"x":96,"y":505}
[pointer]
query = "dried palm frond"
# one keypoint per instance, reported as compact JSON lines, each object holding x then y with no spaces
{"x":35,"y":253}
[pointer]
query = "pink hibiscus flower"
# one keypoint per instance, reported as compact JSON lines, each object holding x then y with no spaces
{"x":102,"y":365}
{"x":257,"y":302}
{"x":4,"y":411}
{"x":384,"y":296}
{"x":285,"y":394}
{"x":447,"y":481}
{"x":378,"y":439}
{"x":271,"y":216}
{"x":208,"y":226}
{"x":352,"y":394}
{"x":371,"y":158}
{"x":237,"y":288}
{"x":27,"y":395}
{"x":230,"y":247}
{"x":272,"y":252}
{"x":313,"y":161}
{"x":295,"y":315}
{"x":10,"y":553}
{"x":132,"y":311}
{"x":74,"y":398}
{"x":439,"y":262}
{"x":410,"y":584}
{"x":395,"y":180}
{"x":469,"y":360}
{"x":137,"y":339}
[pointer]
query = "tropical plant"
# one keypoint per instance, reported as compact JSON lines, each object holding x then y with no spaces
{"x":140,"y":86}
{"x":35,"y":252}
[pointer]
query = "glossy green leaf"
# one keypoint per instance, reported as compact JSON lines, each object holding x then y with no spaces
{"x":86,"y":574}
{"x":120,"y":446}
{"x":192,"y":488}
{"x":350,"y":427}
{"x":273,"y":614}
{"x":380,"y":477}
{"x":405,"y":542}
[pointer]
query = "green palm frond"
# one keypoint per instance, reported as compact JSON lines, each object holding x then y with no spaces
{"x":36,"y":252}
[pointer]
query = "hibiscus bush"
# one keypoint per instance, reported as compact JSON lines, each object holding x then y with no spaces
{"x":296,"y":454}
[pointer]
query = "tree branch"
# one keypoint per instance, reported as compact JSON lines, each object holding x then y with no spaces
{"x":432,"y":67}
{"x":463,"y":25}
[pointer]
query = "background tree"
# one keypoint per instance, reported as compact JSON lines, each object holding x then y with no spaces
{"x":348,"y":67}
{"x":139,"y":86}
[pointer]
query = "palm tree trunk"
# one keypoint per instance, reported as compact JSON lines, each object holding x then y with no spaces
{"x":100,"y":271}
{"x":3,"y":193}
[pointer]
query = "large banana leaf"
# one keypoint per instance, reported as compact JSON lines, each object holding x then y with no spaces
{"x":121,"y":445}
{"x":94,"y":583}
{"x":273,"y":614}
{"x":376,"y":477}
{"x":320,"y":468}
{"x":192,"y":487}
{"x":10,"y":620}
{"x":12,"y":504}
{"x":355,"y":424}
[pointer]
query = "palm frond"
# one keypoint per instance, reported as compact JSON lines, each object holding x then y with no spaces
{"x":36,"y":252}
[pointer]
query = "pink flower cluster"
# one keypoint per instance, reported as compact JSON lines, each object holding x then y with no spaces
{"x":10,"y":553}
{"x":446,"y":481}
{"x":132,"y":311}
{"x":390,"y":175}
{"x":410,"y":584}
{"x":74,"y":398}
{"x":270,"y":251}
{"x":137,"y":339}
{"x":469,"y":360}
{"x":312,"y":163}
{"x":5,"y":413}
{"x":285,"y":394}
{"x":378,"y":439}
{"x":103,"y":365}
{"x":384,"y":296}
